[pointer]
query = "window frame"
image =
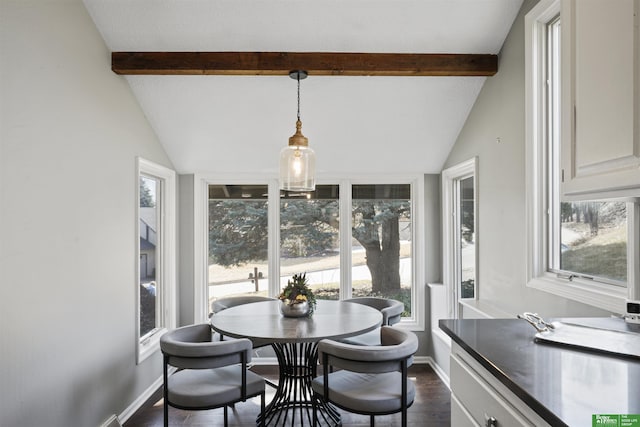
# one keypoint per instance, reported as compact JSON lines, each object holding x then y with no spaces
{"x":166,"y":275}
{"x":540,"y":214}
{"x":202,"y":181}
{"x":451,"y":178}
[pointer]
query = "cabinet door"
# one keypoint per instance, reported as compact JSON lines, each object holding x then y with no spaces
{"x":479,"y":401}
{"x":601,"y":148}
{"x":459,"y":415}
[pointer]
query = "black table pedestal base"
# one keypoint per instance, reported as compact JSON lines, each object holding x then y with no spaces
{"x":292,"y":404}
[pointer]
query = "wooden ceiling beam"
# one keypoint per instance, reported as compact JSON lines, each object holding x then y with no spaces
{"x":315,"y":63}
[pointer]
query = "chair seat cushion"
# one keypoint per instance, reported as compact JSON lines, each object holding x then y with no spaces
{"x":366,"y":393}
{"x":369,"y":338}
{"x":209,"y":388}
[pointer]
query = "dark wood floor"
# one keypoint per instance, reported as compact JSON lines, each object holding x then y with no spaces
{"x":431,"y":407}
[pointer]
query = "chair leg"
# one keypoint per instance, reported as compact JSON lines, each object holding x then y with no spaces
{"x":314,"y":407}
{"x":373,"y":421}
{"x":262,"y":410}
{"x":166,"y":413}
{"x":226,"y":420}
{"x":165,"y":389}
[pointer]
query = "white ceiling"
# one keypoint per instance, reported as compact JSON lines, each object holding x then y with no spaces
{"x":239,"y":123}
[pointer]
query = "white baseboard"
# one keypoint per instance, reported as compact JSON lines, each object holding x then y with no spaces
{"x":439,"y":372}
{"x":137,"y":404}
{"x":264,"y":361}
{"x":112,"y":421}
{"x":421,"y":360}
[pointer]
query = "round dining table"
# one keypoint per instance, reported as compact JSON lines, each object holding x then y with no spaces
{"x":295,"y":341}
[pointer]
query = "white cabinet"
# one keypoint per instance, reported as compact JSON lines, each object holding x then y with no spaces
{"x":479,"y":399}
{"x":600,"y":98}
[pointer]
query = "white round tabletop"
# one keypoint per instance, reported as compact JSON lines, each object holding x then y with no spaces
{"x":263,"y":320}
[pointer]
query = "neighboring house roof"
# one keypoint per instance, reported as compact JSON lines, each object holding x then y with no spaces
{"x":148,"y":215}
{"x":148,"y":228}
{"x":145,"y":245}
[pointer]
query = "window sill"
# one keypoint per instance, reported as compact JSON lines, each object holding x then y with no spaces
{"x":150,"y":345}
{"x":605,"y":297}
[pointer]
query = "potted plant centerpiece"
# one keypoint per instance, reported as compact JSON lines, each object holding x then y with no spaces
{"x":297,"y":299}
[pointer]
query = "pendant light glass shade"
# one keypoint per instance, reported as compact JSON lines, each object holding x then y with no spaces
{"x":297,"y":160}
{"x":297,"y":165}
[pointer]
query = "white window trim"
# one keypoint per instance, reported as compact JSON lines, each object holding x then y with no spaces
{"x":167,"y":253}
{"x":202,"y":181}
{"x":603,"y":296}
{"x":417,"y":322}
{"x":450,"y":177}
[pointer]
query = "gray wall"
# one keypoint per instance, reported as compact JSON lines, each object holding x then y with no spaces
{"x":433,"y":253}
{"x":186,"y":242}
{"x":499,"y":112}
{"x":70,"y":131}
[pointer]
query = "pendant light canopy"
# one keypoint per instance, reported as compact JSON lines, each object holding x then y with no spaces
{"x":297,"y":160}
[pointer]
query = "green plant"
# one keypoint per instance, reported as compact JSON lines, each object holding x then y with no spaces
{"x":298,"y":291}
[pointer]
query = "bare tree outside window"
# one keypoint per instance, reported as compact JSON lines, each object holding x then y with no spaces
{"x":593,"y":239}
{"x":381,"y":229}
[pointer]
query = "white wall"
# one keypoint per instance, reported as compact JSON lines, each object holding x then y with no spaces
{"x":499,"y":113}
{"x":70,"y":131}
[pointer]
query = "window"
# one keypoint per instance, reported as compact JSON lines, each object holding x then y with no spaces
{"x":460,"y":237}
{"x":148,"y":224}
{"x":466,"y":230}
{"x":577,"y":249}
{"x":309,"y":239}
{"x":351,"y":238}
{"x":589,"y":241}
{"x":238,"y":241}
{"x":381,"y":257}
{"x":155,"y":233}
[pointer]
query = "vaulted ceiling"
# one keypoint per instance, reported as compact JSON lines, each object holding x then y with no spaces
{"x":364,"y":124}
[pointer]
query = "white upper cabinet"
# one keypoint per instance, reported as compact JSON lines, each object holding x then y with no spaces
{"x":600,"y":99}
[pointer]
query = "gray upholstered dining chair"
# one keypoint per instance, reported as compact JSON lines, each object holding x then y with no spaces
{"x":227,"y":302}
{"x":391,"y":314}
{"x":211,"y":374}
{"x":372,"y":380}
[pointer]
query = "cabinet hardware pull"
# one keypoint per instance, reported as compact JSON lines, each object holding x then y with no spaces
{"x":490,"y":421}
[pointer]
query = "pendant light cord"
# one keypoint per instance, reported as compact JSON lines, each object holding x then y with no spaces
{"x":298,"y":94}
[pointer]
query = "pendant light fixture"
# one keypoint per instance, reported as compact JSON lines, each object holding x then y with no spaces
{"x":297,"y":160}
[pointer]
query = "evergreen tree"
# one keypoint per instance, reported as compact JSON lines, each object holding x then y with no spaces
{"x":238,"y":233}
{"x":146,"y":200}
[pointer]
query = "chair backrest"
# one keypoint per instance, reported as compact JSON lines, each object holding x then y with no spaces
{"x":397,"y":346}
{"x":391,"y":309}
{"x":227,"y":302}
{"x":191,"y":347}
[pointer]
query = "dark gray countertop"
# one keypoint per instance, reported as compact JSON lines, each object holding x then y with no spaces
{"x":563,"y":385}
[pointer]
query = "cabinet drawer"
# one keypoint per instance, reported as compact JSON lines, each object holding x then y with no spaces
{"x":459,"y":415}
{"x":481,"y":400}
